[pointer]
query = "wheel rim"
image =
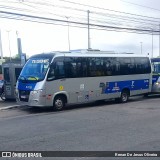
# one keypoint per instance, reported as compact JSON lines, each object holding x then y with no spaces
{"x":124,"y":97}
{"x":58,"y":104}
{"x":3,"y":96}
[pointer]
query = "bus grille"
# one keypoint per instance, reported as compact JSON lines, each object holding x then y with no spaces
{"x":24,"y":95}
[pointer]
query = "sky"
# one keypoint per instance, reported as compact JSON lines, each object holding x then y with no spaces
{"x":37,"y":37}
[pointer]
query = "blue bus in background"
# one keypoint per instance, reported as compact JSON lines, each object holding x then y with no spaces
{"x":155,"y":75}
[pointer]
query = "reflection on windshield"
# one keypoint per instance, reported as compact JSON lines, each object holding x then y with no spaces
{"x":156,"y":67}
{"x":35,"y":69}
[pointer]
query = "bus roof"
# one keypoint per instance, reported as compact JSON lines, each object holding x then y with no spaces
{"x":87,"y":54}
{"x":155,"y":59}
{"x":102,"y":54}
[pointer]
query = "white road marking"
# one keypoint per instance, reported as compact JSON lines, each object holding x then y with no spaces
{"x":9,"y":107}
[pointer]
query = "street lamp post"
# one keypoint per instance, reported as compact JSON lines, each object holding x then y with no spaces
{"x":152,"y":43}
{"x":9,"y":45}
{"x":1,"y":51}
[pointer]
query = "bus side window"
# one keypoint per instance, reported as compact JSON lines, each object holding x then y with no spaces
{"x":108,"y":67}
{"x":59,"y":70}
{"x":70,"y":67}
{"x":56,"y":71}
{"x":51,"y":75}
{"x":6,"y":75}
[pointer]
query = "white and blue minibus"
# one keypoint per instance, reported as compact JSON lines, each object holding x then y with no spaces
{"x":60,"y":78}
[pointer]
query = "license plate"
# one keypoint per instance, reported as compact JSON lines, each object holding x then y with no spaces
{"x":23,"y":96}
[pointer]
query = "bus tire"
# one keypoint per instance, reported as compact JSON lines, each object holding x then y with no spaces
{"x":124,"y":96}
{"x":3,"y":96}
{"x":146,"y":95}
{"x":59,"y":103}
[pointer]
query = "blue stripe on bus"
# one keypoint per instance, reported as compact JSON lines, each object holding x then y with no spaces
{"x":26,"y":86}
{"x":113,"y":87}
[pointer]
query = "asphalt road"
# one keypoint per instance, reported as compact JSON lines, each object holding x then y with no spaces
{"x":106,"y":126}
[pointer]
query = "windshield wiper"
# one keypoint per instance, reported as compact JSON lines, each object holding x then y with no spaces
{"x":36,"y":78}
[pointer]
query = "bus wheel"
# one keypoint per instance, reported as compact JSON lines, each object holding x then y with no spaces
{"x":124,"y":96}
{"x":59,"y":103}
{"x":146,"y":95}
{"x":3,"y":96}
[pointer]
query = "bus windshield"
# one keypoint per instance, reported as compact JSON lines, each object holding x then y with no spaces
{"x":156,"y":67}
{"x":35,"y":69}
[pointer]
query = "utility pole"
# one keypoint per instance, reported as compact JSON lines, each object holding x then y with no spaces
{"x":19,"y":45}
{"x":68,"y":34}
{"x":89,"y":45}
{"x":1,"y":52}
{"x":152,"y":43}
{"x":159,"y":39}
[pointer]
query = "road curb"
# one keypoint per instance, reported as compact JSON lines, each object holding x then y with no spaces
{"x":9,"y":107}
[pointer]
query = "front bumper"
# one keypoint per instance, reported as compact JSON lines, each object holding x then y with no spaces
{"x":31,"y":98}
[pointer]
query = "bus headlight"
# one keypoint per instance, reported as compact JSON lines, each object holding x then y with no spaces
{"x":157,"y":83}
{"x":36,"y":92}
